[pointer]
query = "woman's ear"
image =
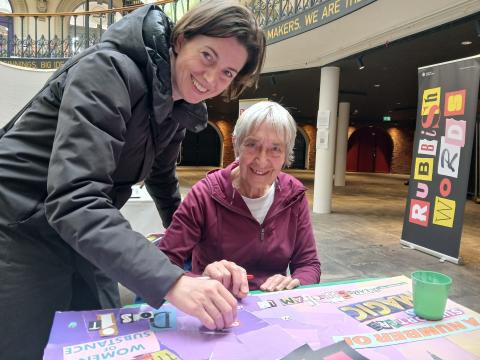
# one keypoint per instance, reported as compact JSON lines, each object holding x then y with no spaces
{"x":235,"y":150}
{"x":179,"y":43}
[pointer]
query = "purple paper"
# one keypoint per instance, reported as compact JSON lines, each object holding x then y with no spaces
{"x":269,"y":326}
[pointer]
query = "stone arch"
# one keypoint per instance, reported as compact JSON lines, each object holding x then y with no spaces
{"x":220,"y":136}
{"x":19,"y":6}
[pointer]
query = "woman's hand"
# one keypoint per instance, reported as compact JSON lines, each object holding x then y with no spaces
{"x":279,"y":282}
{"x":206,"y":300}
{"x":232,"y":276}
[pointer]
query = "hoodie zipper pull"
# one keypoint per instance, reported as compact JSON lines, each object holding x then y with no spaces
{"x":262,"y":234}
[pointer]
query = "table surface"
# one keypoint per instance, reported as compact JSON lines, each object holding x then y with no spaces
{"x":373,"y":316}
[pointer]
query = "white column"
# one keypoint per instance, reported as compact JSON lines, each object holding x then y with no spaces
{"x":326,"y":133}
{"x":342,"y":143}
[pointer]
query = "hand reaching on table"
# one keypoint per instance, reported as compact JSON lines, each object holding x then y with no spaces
{"x":232,"y":276}
{"x":207,"y":300}
{"x":279,"y":282}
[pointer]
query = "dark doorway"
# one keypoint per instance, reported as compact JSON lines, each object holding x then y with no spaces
{"x":201,"y":149}
{"x":369,"y":150}
{"x":299,"y":151}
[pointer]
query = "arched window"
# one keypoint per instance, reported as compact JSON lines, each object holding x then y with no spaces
{"x":97,"y":25}
{"x":95,"y":21}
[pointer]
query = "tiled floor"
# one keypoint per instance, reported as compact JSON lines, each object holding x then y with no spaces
{"x":360,"y":238}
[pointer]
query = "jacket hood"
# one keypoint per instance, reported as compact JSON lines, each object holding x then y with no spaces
{"x":287,"y":189}
{"x":128,"y":37}
{"x":144,"y":36}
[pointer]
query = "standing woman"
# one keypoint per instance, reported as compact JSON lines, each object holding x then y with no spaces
{"x":116,"y":117}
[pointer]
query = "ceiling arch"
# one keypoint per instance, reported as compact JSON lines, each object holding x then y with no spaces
{"x":19,"y":6}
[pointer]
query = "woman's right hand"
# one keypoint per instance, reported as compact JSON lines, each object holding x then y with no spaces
{"x":206,"y":299}
{"x":232,"y":276}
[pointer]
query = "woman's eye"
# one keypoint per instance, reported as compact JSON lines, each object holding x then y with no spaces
{"x":228,"y":74}
{"x":277,"y":150}
{"x":207,"y":56}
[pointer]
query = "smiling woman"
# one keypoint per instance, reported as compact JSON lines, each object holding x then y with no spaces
{"x":249,"y":218}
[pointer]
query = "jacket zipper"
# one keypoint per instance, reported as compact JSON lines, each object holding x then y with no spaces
{"x":262,"y":233}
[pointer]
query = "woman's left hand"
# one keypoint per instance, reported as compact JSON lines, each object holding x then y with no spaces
{"x":279,"y":282}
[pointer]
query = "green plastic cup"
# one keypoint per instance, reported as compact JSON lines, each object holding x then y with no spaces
{"x":430,"y":294}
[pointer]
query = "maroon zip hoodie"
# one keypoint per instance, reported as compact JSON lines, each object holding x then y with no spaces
{"x":214,"y":223}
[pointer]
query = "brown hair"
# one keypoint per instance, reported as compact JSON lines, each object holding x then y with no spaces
{"x":224,"y":19}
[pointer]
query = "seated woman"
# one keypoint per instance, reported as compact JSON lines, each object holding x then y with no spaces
{"x":249,"y":217}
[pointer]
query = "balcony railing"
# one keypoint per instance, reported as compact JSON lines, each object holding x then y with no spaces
{"x":62,"y":35}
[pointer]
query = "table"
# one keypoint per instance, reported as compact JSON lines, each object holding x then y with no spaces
{"x":141,"y":212}
{"x":374,"y":317}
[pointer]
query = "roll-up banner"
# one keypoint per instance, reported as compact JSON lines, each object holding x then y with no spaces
{"x":447,"y":105}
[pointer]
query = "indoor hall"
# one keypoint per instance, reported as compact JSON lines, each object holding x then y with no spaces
{"x":377,"y":51}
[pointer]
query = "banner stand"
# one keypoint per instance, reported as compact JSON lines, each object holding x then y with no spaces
{"x":442,"y":157}
{"x":442,"y":257}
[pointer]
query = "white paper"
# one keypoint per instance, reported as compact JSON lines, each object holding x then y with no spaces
{"x":323,"y":118}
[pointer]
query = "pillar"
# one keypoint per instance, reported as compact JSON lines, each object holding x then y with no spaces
{"x":342,"y":143}
{"x":326,"y":133}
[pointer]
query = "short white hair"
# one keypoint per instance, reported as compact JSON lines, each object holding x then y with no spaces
{"x":271,"y":113}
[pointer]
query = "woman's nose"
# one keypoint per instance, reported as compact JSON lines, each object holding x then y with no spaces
{"x":262,"y":154}
{"x":210,"y":76}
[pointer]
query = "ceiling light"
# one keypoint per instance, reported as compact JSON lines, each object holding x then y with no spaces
{"x":360,"y":63}
{"x":466,"y":42}
{"x":376,"y":85}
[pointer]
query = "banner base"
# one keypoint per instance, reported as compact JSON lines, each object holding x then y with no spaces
{"x":442,"y":257}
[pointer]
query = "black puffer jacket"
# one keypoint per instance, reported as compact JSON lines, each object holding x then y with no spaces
{"x":67,"y":166}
